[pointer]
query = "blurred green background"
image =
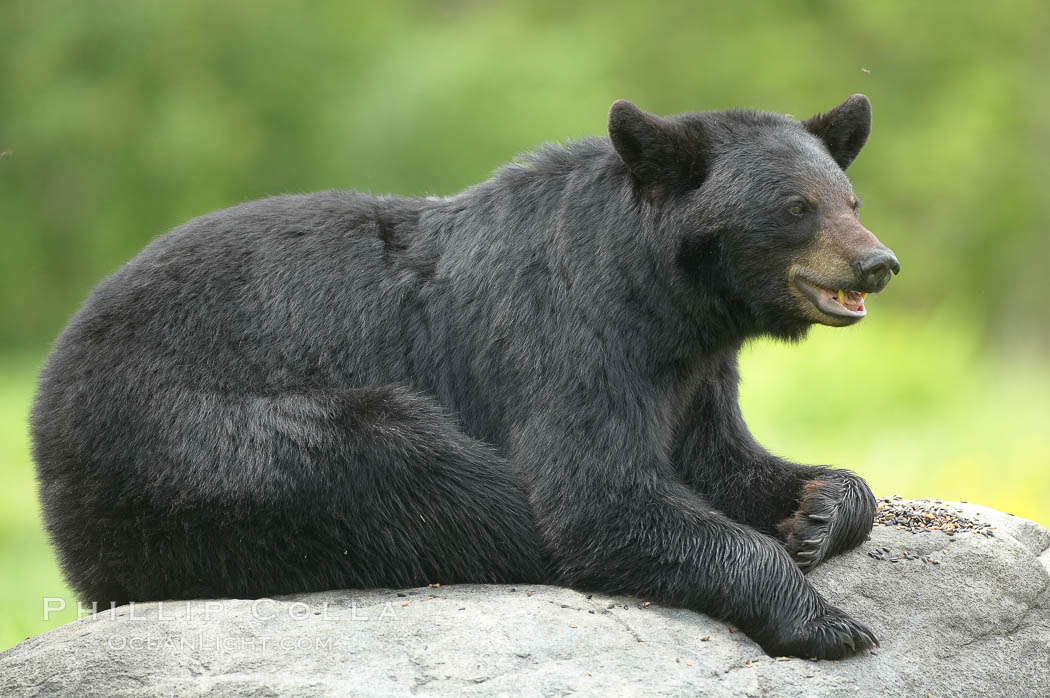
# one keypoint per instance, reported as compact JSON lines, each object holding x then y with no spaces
{"x":119,"y":120}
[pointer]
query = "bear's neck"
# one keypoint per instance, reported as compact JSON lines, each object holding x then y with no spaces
{"x":565,"y":230}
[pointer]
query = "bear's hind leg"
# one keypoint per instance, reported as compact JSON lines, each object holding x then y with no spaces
{"x":288,"y":493}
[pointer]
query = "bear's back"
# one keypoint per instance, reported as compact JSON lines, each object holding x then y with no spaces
{"x":260,"y":295}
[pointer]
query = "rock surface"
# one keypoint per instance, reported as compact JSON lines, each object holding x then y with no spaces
{"x":973,"y":618}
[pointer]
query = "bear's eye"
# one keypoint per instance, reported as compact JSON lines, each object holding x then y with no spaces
{"x":797,"y":208}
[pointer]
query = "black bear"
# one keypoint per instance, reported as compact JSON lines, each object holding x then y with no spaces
{"x":532,"y":381}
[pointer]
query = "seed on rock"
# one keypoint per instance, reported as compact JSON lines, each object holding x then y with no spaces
{"x":921,"y":516}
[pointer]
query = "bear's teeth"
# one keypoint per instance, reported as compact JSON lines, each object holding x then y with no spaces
{"x":842,"y":297}
{"x":863,"y":296}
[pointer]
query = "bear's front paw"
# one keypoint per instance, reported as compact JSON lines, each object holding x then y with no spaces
{"x":830,"y":635}
{"x":835,"y":515}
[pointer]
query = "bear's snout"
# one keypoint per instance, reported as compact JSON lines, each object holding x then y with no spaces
{"x":875,"y":269}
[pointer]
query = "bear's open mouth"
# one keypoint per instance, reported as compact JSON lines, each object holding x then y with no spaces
{"x":838,"y":303}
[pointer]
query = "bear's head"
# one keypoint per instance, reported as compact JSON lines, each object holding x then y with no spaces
{"x":758,"y":210}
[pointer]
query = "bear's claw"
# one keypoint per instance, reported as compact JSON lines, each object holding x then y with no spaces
{"x":831,"y":635}
{"x":835,"y":514}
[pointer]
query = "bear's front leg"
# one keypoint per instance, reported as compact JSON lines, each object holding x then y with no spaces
{"x":817,"y":512}
{"x":616,"y":518}
{"x":835,"y":514}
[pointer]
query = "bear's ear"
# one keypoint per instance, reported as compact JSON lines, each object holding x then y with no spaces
{"x":844,"y":129}
{"x":654,"y":149}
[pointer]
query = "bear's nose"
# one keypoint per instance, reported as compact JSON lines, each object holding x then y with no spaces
{"x":874,"y":271}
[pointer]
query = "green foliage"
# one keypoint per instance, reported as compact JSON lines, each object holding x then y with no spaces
{"x":124,"y":119}
{"x":30,"y":572}
{"x":910,"y":404}
{"x":119,"y":120}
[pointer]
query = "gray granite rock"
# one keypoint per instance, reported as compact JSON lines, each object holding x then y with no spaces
{"x":975,"y":623}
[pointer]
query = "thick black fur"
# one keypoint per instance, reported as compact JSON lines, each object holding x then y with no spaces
{"x":532,"y":381}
